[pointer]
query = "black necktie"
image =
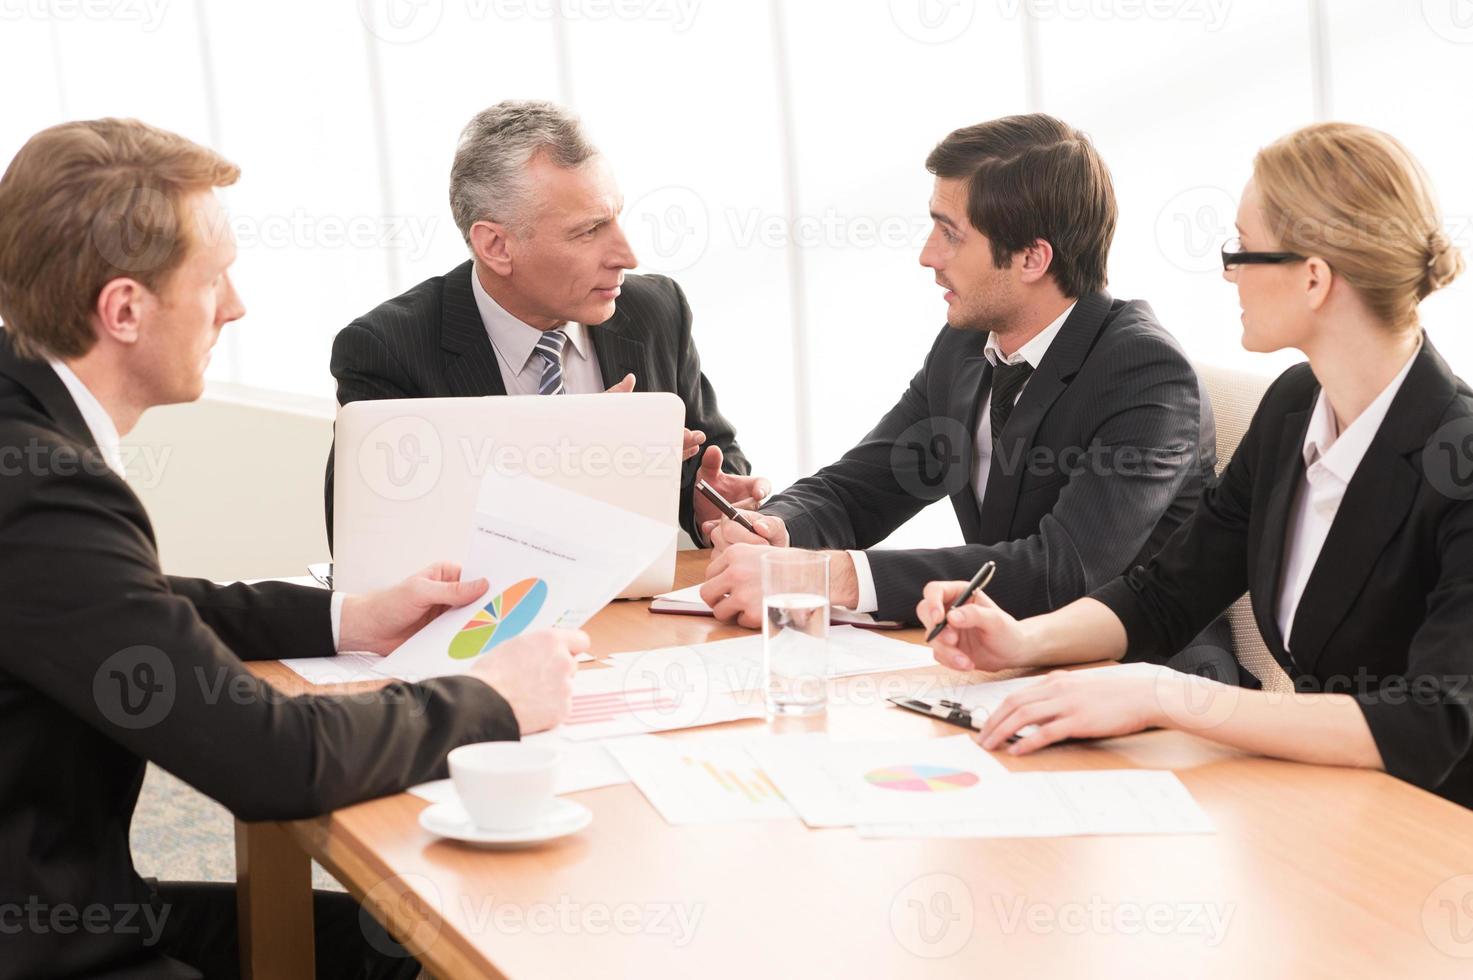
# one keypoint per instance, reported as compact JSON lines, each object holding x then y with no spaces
{"x":1007,"y":381}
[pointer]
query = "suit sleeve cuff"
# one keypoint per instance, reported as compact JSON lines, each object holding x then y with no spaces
{"x":335,"y":614}
{"x":865,"y":579}
{"x":1420,"y":727}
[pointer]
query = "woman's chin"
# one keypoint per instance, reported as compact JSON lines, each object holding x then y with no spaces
{"x":1255,"y":344}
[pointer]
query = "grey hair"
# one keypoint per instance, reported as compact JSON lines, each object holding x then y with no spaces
{"x":488,"y":180}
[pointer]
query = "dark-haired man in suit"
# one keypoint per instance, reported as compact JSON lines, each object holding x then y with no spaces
{"x":1067,"y":427}
{"x":544,"y":305}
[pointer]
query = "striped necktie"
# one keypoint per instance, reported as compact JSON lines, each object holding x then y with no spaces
{"x":550,"y":347}
{"x":1007,"y":381}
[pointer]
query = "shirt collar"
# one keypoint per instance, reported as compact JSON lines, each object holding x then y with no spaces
{"x":1341,"y":452}
{"x":511,"y":337}
{"x":1033,"y":351}
{"x":99,"y":423}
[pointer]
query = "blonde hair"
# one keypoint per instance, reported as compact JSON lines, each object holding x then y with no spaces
{"x":84,"y":203}
{"x":1356,"y":198}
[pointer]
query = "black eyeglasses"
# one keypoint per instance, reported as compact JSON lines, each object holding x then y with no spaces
{"x":1234,"y":256}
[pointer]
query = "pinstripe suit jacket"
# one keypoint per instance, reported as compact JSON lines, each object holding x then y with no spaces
{"x":1104,"y":455}
{"x":430,"y":343}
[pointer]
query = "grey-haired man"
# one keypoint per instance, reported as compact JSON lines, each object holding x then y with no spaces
{"x":545,"y":304}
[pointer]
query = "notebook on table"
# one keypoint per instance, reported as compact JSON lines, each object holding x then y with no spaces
{"x":688,"y":602}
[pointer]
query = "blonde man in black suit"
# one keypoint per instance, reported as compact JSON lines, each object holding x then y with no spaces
{"x":114,"y":287}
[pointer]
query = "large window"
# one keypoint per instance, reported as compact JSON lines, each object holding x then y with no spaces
{"x":771,"y":154}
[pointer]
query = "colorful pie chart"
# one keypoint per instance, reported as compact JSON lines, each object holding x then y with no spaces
{"x":507,"y":614}
{"x":921,"y":779}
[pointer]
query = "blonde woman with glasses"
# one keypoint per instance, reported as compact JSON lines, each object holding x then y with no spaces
{"x":1346,"y":512}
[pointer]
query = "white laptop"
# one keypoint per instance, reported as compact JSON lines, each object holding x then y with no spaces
{"x":407,"y":472}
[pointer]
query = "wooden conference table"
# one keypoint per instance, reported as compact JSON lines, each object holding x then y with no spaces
{"x":1313,"y":872}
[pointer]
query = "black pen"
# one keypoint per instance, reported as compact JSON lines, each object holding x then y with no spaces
{"x":724,"y":505}
{"x":977,"y":584}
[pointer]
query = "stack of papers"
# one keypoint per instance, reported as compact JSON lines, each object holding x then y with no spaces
{"x":736,"y":665}
{"x":940,"y":787}
{"x":930,"y":787}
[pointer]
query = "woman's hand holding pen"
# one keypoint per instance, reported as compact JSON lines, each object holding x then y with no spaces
{"x":977,"y":636}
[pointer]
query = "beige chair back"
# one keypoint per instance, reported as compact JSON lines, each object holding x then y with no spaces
{"x":1235,"y":396}
{"x":233,"y":482}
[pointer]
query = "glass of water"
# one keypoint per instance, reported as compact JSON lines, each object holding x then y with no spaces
{"x":795,"y":630}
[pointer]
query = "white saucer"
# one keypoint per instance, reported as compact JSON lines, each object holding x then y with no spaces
{"x":449,"y":819}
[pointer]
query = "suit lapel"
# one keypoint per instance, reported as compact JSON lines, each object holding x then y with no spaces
{"x":1374,"y":508}
{"x":1288,"y":471}
{"x":472,"y":370}
{"x":973,"y":379}
{"x":619,"y":355}
{"x":1059,"y":366}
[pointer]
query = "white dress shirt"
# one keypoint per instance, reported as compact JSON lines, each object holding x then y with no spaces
{"x":515,"y":343}
{"x":105,"y":433}
{"x":99,"y":423}
{"x":1031,"y":352}
{"x":1331,"y":458}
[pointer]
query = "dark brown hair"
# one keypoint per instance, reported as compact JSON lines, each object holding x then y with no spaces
{"x":1031,"y":177}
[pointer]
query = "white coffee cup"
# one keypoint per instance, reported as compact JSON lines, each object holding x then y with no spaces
{"x":504,"y":785}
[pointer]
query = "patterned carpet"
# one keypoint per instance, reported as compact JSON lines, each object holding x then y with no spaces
{"x":181,"y":835}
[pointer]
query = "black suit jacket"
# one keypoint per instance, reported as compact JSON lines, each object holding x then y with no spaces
{"x":1104,"y":455}
{"x":106,"y":662}
{"x":430,"y":342}
{"x":1387,"y":613}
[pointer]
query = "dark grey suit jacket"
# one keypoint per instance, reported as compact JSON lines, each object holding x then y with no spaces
{"x":430,"y":342}
{"x":106,"y":662}
{"x":1104,"y":455}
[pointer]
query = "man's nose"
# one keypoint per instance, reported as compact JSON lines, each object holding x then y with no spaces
{"x":623,"y":254}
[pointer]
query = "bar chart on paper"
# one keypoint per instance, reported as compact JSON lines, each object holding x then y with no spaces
{"x":598,"y":707}
{"x":643,"y":695}
{"x":707,"y":780}
{"x":743,"y":782}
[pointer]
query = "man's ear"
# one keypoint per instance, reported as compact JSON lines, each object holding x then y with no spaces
{"x":120,"y":309}
{"x":1035,"y":260}
{"x":1318,"y":280}
{"x":491,"y":244}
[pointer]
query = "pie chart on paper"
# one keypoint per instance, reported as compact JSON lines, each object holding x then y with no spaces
{"x":921,"y":779}
{"x":505,"y":617}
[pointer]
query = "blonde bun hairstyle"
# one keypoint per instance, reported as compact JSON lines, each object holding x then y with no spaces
{"x":1356,"y":198}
